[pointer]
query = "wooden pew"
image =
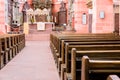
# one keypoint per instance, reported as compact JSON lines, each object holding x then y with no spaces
{"x":67,"y":54}
{"x":97,"y":54}
{"x":9,"y":47}
{"x":97,"y":42}
{"x":98,"y":69}
{"x":70,"y":45}
{"x":113,"y":77}
{"x":60,"y":52}
{"x":56,"y":37}
{"x":76,"y":57}
{"x":18,"y":41}
{"x":81,"y":38}
{"x":4,"y":53}
{"x":58,"y":41}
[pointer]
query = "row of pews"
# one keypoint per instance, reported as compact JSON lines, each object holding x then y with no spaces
{"x":10,"y":46}
{"x":86,"y":56}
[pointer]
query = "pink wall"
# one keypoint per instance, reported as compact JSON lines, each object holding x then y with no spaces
{"x":29,"y":1}
{"x":80,"y":8}
{"x":104,"y":25}
{"x":119,"y":18}
{"x":2,"y":17}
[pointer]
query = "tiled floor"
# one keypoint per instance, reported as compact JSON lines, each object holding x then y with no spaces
{"x":34,"y":62}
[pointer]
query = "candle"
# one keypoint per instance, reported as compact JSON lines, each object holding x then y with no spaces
{"x":52,"y":19}
{"x":55,"y":19}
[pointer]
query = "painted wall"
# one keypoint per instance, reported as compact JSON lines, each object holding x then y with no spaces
{"x":106,"y":24}
{"x":29,"y":1}
{"x":80,"y":8}
{"x":119,"y":18}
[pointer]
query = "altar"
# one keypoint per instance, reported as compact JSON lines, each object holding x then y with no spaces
{"x":44,"y":25}
{"x":39,"y":20}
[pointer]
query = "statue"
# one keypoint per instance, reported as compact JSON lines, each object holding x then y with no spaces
{"x":62,"y":8}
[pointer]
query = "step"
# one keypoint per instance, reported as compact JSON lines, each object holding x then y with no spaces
{"x":37,"y":37}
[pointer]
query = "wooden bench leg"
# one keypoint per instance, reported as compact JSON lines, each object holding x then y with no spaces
{"x":62,"y":71}
{"x":10,"y":54}
{"x":59,"y":64}
{"x":6,"y":57}
{"x":2,"y":61}
{"x":13,"y":52}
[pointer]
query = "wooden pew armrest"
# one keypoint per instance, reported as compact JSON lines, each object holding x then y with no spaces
{"x":60,"y":59}
{"x":63,"y":66}
{"x":2,"y":52}
{"x":57,"y":54}
{"x":113,"y":77}
{"x":7,"y":49}
{"x":69,"y":76}
{"x":14,"y":45}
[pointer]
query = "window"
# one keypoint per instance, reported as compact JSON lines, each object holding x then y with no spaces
{"x":102,"y":14}
{"x":84,"y":18}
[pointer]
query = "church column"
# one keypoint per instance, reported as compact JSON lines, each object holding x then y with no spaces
{"x":69,"y":19}
{"x":103,"y":15}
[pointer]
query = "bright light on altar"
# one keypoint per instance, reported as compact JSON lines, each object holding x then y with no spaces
{"x":38,"y":11}
{"x":30,"y":11}
{"x":38,"y":15}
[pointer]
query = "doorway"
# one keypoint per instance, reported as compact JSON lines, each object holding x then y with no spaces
{"x":116,"y":21}
{"x":90,"y":23}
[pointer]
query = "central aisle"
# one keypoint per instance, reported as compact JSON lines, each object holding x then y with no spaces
{"x":34,"y":62}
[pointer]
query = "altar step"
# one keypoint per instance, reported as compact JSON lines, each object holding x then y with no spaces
{"x":37,"y":37}
{"x":33,"y":29}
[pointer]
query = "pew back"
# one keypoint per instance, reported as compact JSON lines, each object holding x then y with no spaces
{"x":92,"y":68}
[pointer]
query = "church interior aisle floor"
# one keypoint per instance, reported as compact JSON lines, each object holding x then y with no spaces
{"x":34,"y":62}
